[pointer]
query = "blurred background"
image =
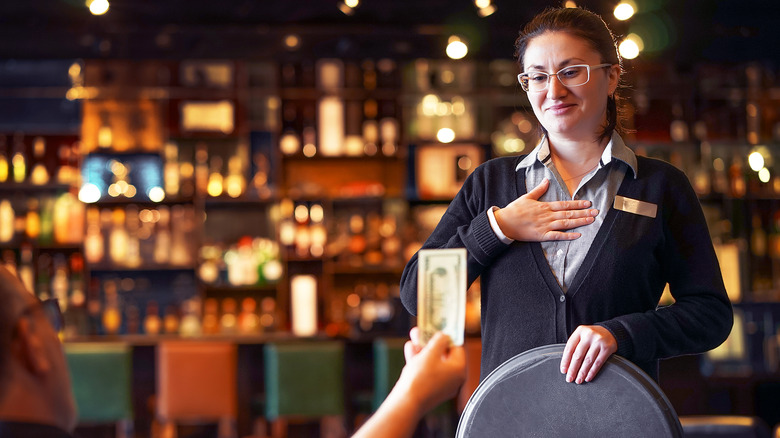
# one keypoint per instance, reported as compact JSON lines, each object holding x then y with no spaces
{"x":255,"y":172}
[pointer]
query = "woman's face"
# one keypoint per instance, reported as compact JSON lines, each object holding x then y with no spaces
{"x":576,"y":113}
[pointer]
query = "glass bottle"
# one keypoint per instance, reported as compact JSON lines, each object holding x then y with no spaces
{"x":118,"y":238}
{"x":19,"y":160}
{"x":112,"y":317}
{"x":93,"y":240}
{"x":3,"y":160}
{"x":152,"y":322}
{"x":39,"y":175}
{"x":7,"y":219}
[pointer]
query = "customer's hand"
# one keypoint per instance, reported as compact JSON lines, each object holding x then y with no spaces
{"x":528,"y":219}
{"x":586,"y":351}
{"x":433,"y":373}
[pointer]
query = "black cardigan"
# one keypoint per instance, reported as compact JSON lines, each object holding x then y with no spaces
{"x":618,"y":285}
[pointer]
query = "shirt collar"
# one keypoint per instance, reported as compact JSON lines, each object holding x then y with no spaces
{"x":616,"y":149}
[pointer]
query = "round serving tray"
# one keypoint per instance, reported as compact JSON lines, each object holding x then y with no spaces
{"x":527,"y":396}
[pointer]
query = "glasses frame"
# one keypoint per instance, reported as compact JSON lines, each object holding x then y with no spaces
{"x":51,"y":310}
{"x":556,"y":74}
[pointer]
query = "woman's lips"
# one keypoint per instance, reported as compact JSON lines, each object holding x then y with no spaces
{"x":560,"y":108}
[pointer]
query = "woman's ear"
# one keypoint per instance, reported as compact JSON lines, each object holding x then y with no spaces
{"x":613,"y":74}
{"x":31,"y":348}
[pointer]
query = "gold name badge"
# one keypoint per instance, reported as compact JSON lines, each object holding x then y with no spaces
{"x":635,"y":206}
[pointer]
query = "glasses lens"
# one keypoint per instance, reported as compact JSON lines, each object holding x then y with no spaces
{"x":574,"y":75}
{"x":534,"y":81}
{"x":51,"y":308}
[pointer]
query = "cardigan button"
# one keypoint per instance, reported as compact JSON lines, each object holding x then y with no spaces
{"x":563,"y":298}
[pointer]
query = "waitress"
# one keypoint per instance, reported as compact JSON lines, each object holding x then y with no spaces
{"x":575,"y":241}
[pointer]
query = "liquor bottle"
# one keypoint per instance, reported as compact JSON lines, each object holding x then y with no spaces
{"x":303,"y":304}
{"x":201,"y":168}
{"x":268,"y":314}
{"x":248,"y":321}
{"x":152,"y":322}
{"x":132,"y":319}
{"x":331,"y":126}
{"x":308,"y":128}
{"x":190,"y":321}
{"x":289,"y":141}
{"x":357,"y":240}
{"x":3,"y":159}
{"x":77,"y":294}
{"x":112,"y":317}
{"x":758,"y":237}
{"x":7,"y":220}
{"x":46,"y":236}
{"x":162,"y":244}
{"x":388,"y":127}
{"x":33,"y":220}
{"x":118,"y":238}
{"x":171,"y":320}
{"x":370,"y":127}
{"x":105,"y":136}
{"x":60,"y":282}
{"x":132,"y":225}
{"x":43,"y":276}
{"x":66,"y":172}
{"x":235,"y":182}
{"x":215,"y":187}
{"x":19,"y":159}
{"x":737,"y":183}
{"x":94,"y":245}
{"x":180,"y":253}
{"x":228,"y":321}
{"x":39,"y":175}
{"x":25,"y":268}
{"x":94,"y":306}
{"x":171,"y":170}
{"x":75,"y":317}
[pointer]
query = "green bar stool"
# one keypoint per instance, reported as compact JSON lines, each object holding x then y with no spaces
{"x":101,"y":377}
{"x":388,"y":363}
{"x":304,"y":381}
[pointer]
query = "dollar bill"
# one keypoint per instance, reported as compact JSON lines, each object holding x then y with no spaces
{"x":441,"y":293}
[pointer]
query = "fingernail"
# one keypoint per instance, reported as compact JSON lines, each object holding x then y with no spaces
{"x":563,"y":370}
{"x":588,"y":203}
{"x":569,"y":379}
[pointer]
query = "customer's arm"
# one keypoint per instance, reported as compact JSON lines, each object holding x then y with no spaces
{"x":432,"y":375}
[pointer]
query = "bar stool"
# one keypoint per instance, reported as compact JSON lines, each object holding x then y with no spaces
{"x":196,"y":384}
{"x":101,"y":379}
{"x":388,"y":362}
{"x":304,"y":381}
{"x":732,"y":426}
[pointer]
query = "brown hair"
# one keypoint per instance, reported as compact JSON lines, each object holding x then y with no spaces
{"x":592,"y":29}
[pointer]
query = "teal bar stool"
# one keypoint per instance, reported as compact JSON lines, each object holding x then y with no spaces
{"x":388,"y":363}
{"x":304,"y":381}
{"x":101,"y":377}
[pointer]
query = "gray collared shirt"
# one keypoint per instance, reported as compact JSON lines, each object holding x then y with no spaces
{"x":599,"y":186}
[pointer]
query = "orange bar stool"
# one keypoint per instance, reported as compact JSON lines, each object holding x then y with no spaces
{"x":305,"y":381}
{"x":196,"y":384}
{"x":101,"y":377}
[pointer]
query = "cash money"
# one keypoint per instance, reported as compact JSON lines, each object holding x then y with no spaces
{"x":441,"y":293}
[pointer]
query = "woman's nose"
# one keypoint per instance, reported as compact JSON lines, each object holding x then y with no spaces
{"x":555,"y":88}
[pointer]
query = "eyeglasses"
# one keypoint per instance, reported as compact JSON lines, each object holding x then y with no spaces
{"x":571,"y":76}
{"x":51,"y":309}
